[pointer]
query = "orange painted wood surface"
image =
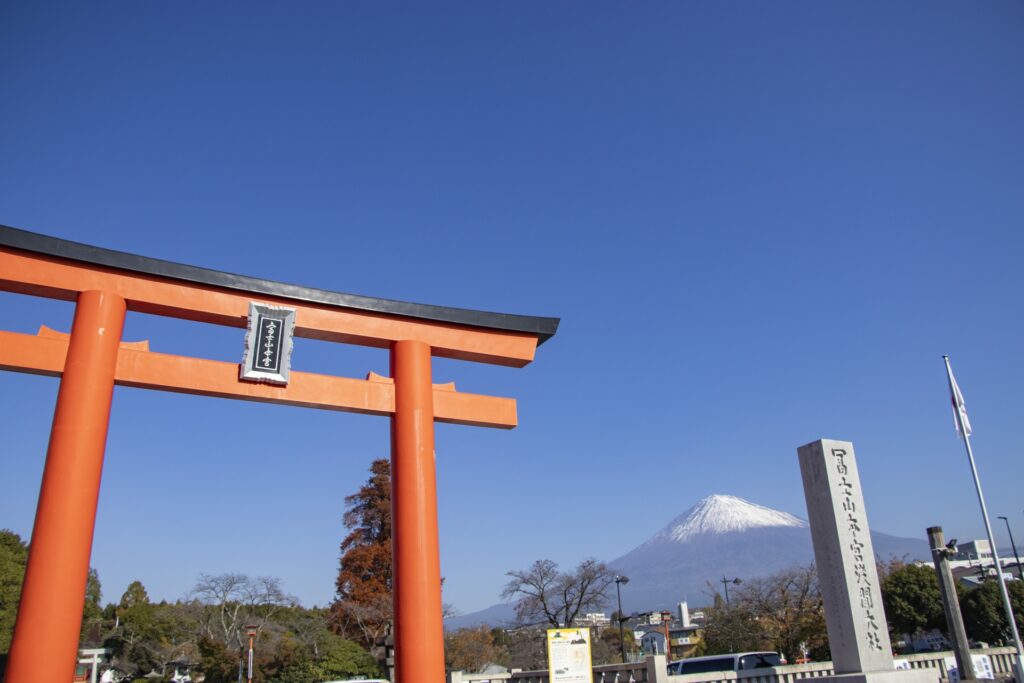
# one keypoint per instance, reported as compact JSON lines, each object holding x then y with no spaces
{"x":416,"y":581}
{"x":45,"y":355}
{"x":38,"y":275}
{"x":45,"y":644}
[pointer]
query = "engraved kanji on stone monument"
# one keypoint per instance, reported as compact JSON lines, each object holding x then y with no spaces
{"x":268,"y":344}
{"x":857,"y":629}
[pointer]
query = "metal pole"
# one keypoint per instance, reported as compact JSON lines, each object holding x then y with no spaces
{"x":955,"y":621}
{"x":1019,"y":658}
{"x":1014,"y":546}
{"x":252,"y":635}
{"x":622,"y":637}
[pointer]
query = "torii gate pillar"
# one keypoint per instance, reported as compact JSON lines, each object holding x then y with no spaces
{"x":419,"y":631}
{"x":94,"y":360}
{"x":46,"y":648}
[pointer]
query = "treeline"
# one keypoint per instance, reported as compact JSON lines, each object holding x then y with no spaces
{"x":472,"y":649}
{"x":785,"y":612}
{"x":207,"y":632}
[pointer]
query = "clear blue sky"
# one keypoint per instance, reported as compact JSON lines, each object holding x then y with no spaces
{"x":760,"y":223}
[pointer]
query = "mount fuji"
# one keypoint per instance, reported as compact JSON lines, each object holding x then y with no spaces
{"x":719,"y":537}
{"x":726,"y":537}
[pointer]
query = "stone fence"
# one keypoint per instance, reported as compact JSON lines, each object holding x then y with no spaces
{"x":653,"y":670}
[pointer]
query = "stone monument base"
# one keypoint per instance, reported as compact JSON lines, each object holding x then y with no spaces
{"x":895,"y":676}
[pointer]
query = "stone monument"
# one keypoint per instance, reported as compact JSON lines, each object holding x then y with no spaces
{"x":857,"y":631}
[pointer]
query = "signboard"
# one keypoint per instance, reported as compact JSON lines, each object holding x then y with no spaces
{"x":982,"y":667}
{"x":569,"y":658}
{"x":268,"y":344}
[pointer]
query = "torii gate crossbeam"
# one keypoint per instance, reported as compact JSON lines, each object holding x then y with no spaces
{"x":106,"y":285}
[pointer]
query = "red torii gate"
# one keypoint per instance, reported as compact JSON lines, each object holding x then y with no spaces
{"x":105,"y":285}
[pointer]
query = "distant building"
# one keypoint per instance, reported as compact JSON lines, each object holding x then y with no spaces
{"x":974,"y":551}
{"x":685,"y":636}
{"x":593,"y":620}
{"x":675,"y":637}
{"x":974,"y":576}
{"x":973,"y":563}
{"x":653,"y":618}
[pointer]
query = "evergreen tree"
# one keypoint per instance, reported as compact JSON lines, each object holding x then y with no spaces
{"x":91,"y":634}
{"x":912,"y":600}
{"x":13,"y":558}
{"x":985,"y":615}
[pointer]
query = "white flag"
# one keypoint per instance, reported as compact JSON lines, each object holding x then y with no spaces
{"x":960,"y":421}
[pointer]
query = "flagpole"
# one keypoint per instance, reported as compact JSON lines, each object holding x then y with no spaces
{"x":958,"y":411}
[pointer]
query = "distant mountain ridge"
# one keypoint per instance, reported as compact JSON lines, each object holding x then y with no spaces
{"x":722,"y":536}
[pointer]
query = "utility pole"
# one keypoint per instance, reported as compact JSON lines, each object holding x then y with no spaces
{"x":725,"y":583}
{"x":1014,"y":546}
{"x":940,"y":556}
{"x":619,"y":580}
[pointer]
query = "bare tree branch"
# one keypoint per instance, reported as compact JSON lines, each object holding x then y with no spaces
{"x":545,"y":595}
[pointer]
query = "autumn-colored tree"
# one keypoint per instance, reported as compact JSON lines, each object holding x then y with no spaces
{"x":471,"y":649}
{"x":783,"y":612}
{"x":526,"y":648}
{"x":606,"y":647}
{"x":362,"y":609}
{"x":733,"y":627}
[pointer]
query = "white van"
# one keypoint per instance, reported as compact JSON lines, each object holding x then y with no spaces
{"x":741,"y":661}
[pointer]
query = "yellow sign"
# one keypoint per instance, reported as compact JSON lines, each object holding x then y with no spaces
{"x":569,"y":658}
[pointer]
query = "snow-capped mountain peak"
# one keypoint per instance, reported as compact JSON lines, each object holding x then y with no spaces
{"x":720,"y":514}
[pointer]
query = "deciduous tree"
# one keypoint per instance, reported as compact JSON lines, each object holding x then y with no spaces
{"x":363,"y":607}
{"x":527,"y":648}
{"x":471,"y":649}
{"x":235,"y":601}
{"x":733,"y":627}
{"x":543,"y":594}
{"x":174,"y":637}
{"x":783,"y":612}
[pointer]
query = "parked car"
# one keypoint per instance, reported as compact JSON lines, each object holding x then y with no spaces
{"x":740,"y":661}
